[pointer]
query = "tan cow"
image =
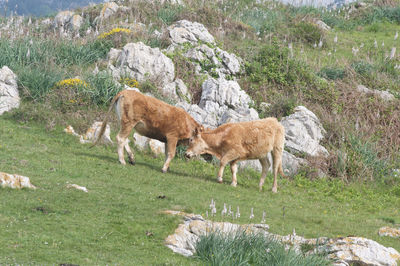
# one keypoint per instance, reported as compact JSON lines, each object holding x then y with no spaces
{"x":235,"y":142}
{"x":151,"y":118}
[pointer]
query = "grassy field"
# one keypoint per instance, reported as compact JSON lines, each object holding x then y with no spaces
{"x":119,"y":220}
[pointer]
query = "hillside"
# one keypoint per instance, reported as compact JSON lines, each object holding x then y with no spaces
{"x":334,"y":72}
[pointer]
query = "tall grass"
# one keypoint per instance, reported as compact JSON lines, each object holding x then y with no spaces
{"x":250,"y":249}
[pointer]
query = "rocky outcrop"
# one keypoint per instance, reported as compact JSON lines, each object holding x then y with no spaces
{"x":222,"y":101}
{"x":177,"y":91}
{"x":384,"y":95}
{"x":144,"y":143}
{"x":343,"y":251}
{"x":92,"y":133}
{"x":15,"y":181}
{"x":75,"y":186}
{"x":304,"y":132}
{"x":68,"y":21}
{"x":192,"y":32}
{"x":389,"y":231}
{"x":9,"y":95}
{"x":142,"y":63}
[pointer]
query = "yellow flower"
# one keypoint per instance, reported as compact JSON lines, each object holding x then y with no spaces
{"x":75,"y":82}
{"x":113,"y":31}
{"x":133,"y":83}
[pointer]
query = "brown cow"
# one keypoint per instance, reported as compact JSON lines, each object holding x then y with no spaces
{"x":235,"y":142}
{"x":151,"y":118}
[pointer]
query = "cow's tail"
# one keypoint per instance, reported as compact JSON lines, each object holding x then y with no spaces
{"x":104,"y":124}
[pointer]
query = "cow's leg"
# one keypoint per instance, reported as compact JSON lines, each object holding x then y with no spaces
{"x":234,"y":169}
{"x":170,"y":152}
{"x":265,"y":166}
{"x":122,"y":140}
{"x":277,"y":161}
{"x":131,"y":156}
{"x":224,"y":161}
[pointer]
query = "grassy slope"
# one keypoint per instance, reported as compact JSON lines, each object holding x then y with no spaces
{"x":108,"y":225}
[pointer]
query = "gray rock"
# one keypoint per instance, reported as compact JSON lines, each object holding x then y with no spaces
{"x":186,"y":31}
{"x":389,"y":231}
{"x":144,"y":143}
{"x":75,"y":23}
{"x":142,"y":62}
{"x":113,"y":55}
{"x":177,"y":90}
{"x":231,"y":62}
{"x":9,"y":95}
{"x":385,"y":95}
{"x":15,"y":181}
{"x":290,"y":164}
{"x":303,"y":132}
{"x":108,"y":10}
{"x":200,"y":115}
{"x":62,"y":19}
{"x":224,"y":93}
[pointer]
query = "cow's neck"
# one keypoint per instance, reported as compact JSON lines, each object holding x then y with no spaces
{"x":213,"y":141}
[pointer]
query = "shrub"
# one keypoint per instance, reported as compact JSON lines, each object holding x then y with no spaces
{"x":241,"y":248}
{"x":332,"y":73}
{"x":169,"y":13}
{"x":308,"y":32}
{"x":362,"y":68}
{"x":263,"y":21}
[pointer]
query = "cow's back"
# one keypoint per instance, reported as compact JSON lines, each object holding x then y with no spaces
{"x":156,"y":119}
{"x":252,"y":139}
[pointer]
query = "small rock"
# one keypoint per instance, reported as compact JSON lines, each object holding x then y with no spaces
{"x":84,"y":189}
{"x":15,"y":181}
{"x":389,"y":231}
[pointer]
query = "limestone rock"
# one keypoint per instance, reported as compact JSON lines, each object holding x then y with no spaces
{"x":303,"y":132}
{"x":75,"y":23}
{"x":144,"y":143}
{"x":9,"y":95}
{"x":198,"y":114}
{"x":84,"y":189}
{"x":290,"y":164}
{"x":113,"y":55}
{"x":385,"y":95}
{"x":108,"y":10}
{"x":15,"y":181}
{"x":359,"y":251}
{"x":91,"y":134}
{"x":186,"y":31}
{"x":322,"y":25}
{"x":343,"y":251}
{"x":62,"y":19}
{"x":177,"y":90}
{"x":224,"y":93}
{"x":142,"y":62}
{"x":157,"y":147}
{"x":389,"y":231}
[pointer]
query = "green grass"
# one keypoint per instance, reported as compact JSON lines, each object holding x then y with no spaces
{"x":108,"y":225}
{"x":241,"y":248}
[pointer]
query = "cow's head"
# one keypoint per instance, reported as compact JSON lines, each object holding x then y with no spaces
{"x":197,"y":145}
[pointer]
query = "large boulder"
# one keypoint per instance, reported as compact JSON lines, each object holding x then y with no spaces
{"x":108,"y":10}
{"x":186,"y":31}
{"x":15,"y":181}
{"x":142,"y":62}
{"x":68,"y":21}
{"x":177,"y":90}
{"x":290,"y":164}
{"x":384,"y":95}
{"x":304,"y":132}
{"x":9,"y":95}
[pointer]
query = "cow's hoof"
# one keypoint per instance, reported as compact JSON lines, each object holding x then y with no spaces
{"x":219,"y":180}
{"x":123,"y":162}
{"x":274,"y":190}
{"x":260,"y":189}
{"x":164,"y":170}
{"x":132,"y":162}
{"x":233,"y":184}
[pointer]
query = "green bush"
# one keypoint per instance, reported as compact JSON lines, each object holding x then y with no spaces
{"x":263,"y":21}
{"x":102,"y":88}
{"x":362,"y":68}
{"x":332,"y":73}
{"x":250,"y":249}
{"x":308,"y":32}
{"x":169,"y":13}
